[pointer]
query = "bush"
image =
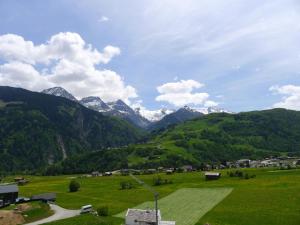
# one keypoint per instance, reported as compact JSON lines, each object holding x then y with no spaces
{"x":159,"y":181}
{"x":74,"y":186}
{"x":102,"y":211}
{"x":240,"y":174}
{"x":126,"y":185}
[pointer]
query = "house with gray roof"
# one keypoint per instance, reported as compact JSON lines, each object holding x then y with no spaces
{"x":8,"y":194}
{"x":144,"y":217}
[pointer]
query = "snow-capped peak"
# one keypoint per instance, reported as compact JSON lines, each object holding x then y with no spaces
{"x":120,"y":106}
{"x":59,"y":91}
{"x":95,"y":103}
{"x":153,"y":115}
{"x":212,"y":110}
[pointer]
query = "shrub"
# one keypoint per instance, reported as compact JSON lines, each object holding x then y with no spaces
{"x":102,"y":211}
{"x":159,"y":181}
{"x":74,"y":186}
{"x":126,"y":185}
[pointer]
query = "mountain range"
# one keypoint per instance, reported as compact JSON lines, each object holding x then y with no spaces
{"x":119,"y":108}
{"x":54,"y":135}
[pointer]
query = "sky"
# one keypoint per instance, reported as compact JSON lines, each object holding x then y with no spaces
{"x":239,"y":55}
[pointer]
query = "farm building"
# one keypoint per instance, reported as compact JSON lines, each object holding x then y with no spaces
{"x":107,"y":174}
{"x":243,"y":163}
{"x":187,"y":168}
{"x":20,"y":180}
{"x":212,"y":175}
{"x":8,"y":194}
{"x":95,"y":174}
{"x":46,"y":197}
{"x":144,"y":217}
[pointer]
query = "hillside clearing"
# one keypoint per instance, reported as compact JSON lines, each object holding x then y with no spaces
{"x":186,"y":206}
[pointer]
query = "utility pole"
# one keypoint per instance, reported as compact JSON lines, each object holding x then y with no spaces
{"x":155,"y":193}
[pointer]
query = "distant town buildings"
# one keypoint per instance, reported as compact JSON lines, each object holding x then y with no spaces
{"x":282,"y":162}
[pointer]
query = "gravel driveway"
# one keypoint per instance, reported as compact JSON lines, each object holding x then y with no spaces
{"x":59,"y":213}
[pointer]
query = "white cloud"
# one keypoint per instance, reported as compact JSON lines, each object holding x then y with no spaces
{"x":109,"y":52}
{"x":181,"y":93}
{"x":65,"y":60}
{"x":103,"y":19}
{"x":182,"y":86}
{"x":210,"y":103}
{"x":291,"y":96}
{"x":20,"y":74}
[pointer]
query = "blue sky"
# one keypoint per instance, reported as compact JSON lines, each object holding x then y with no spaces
{"x":239,"y":55}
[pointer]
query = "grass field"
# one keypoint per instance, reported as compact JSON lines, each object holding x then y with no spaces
{"x":272,"y":198}
{"x":186,"y":206}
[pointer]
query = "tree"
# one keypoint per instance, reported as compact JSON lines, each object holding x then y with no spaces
{"x":74,"y":186}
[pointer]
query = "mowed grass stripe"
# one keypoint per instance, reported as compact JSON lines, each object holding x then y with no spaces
{"x":186,"y":206}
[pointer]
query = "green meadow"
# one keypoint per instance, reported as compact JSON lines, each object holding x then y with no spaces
{"x":272,"y":197}
{"x":186,"y":206}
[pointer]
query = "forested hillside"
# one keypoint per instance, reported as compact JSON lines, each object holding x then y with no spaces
{"x":213,"y":138}
{"x":38,"y":129}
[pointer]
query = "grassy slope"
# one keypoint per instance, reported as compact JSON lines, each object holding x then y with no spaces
{"x":224,"y":137}
{"x":270,"y":198}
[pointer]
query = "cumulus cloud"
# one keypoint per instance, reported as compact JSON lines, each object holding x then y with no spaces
{"x":64,"y":60}
{"x":291,"y":96}
{"x":182,"y":93}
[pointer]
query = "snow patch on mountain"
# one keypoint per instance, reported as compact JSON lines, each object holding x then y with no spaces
{"x":95,"y":103}
{"x":59,"y":91}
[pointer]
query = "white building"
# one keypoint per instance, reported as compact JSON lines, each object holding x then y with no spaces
{"x":144,"y":217}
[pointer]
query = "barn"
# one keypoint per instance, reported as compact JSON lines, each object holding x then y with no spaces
{"x":212,"y":175}
{"x":8,"y":194}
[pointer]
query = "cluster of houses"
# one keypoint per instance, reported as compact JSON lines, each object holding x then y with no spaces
{"x":186,"y":168}
{"x":282,"y":162}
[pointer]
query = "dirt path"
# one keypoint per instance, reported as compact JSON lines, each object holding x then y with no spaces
{"x":9,"y":217}
{"x":59,"y":213}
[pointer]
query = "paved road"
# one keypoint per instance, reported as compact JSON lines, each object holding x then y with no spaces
{"x":59,"y":213}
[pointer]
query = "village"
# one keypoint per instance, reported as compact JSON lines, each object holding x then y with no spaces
{"x":276,"y":162}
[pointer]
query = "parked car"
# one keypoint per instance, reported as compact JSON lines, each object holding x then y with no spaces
{"x":22,"y":200}
{"x":86,"y":209}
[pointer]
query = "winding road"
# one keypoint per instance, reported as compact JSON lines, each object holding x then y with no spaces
{"x":59,"y":213}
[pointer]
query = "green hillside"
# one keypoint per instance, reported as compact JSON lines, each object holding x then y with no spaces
{"x":221,"y":137}
{"x":213,"y":138}
{"x":38,"y":129}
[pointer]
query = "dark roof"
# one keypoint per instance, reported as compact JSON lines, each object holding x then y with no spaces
{"x":44,"y":196}
{"x":10,"y":188}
